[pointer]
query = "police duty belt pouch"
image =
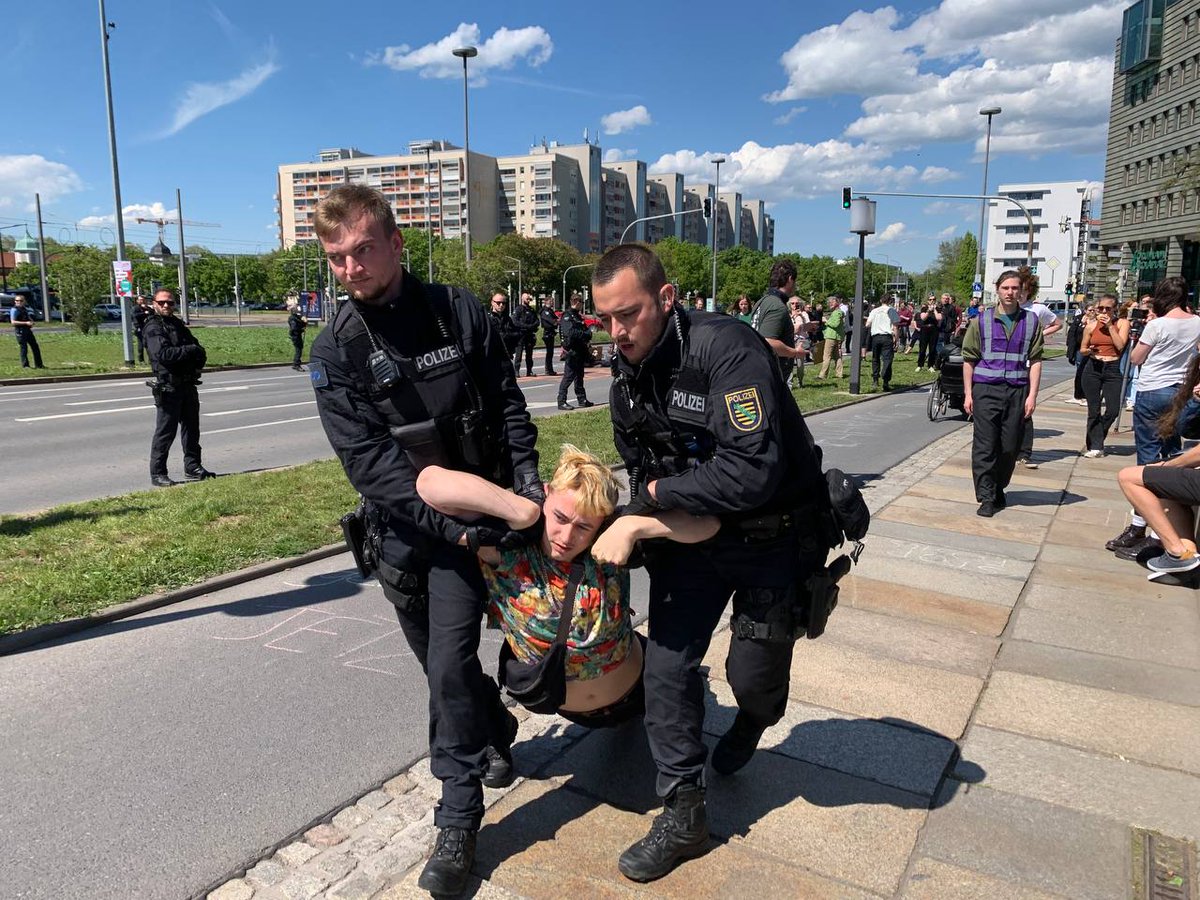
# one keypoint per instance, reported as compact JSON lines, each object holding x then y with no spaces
{"x":849,"y":509}
{"x":354,"y":530}
{"x":541,"y":687}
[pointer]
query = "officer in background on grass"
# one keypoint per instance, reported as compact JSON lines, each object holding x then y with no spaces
{"x":297,"y":324}
{"x":176,"y":359}
{"x":576,"y":344}
{"x":141,"y":315}
{"x":706,"y":425}
{"x":22,"y":323}
{"x":409,"y":375}
{"x":525,"y":322}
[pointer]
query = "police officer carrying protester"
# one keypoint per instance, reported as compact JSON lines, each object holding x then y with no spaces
{"x":297,"y":324}
{"x":549,"y":323}
{"x":176,"y":359}
{"x":576,"y":341}
{"x":705,"y":425}
{"x":525,"y":322}
{"x":409,"y":375}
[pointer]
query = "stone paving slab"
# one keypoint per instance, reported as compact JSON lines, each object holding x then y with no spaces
{"x":1080,"y":633}
{"x":1082,"y":535}
{"x":1013,"y":525}
{"x":1114,"y":520}
{"x":1129,"y":583}
{"x":1029,"y":842}
{"x":1103,"y":565}
{"x":933,"y":880}
{"x":1163,"y":734}
{"x":943,"y":537}
{"x":1148,"y":679}
{"x":1172,"y":611}
{"x":1125,"y":791}
{"x":1044,"y":479}
{"x":987,"y":588}
{"x":922,"y":605}
{"x":941,"y":557}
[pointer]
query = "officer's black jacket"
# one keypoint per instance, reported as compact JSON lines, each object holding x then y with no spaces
{"x":525,"y":320}
{"x":502,"y":324}
{"x":357,"y":427}
{"x":173,"y":350}
{"x":141,"y":315}
{"x":575,"y":334}
{"x":296,"y":324}
{"x":549,"y":322}
{"x":754,"y":452}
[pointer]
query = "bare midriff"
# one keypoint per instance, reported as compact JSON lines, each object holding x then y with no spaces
{"x":591,"y":694}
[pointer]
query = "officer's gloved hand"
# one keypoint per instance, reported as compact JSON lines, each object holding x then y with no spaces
{"x":529,"y":486}
{"x":642,"y":505}
{"x":476,"y":536}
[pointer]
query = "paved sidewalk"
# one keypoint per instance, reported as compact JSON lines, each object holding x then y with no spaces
{"x":995,"y":706}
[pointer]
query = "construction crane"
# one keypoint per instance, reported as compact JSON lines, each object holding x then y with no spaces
{"x":162,"y":223}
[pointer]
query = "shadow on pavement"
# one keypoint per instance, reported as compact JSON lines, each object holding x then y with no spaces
{"x":1042,"y":498}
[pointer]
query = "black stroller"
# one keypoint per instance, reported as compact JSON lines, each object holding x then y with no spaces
{"x":948,"y":391}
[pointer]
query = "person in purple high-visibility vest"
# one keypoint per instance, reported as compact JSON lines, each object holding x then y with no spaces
{"x":1002,"y":370}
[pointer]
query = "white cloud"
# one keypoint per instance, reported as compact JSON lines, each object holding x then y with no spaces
{"x":201,"y":98}
{"x":935,"y":174}
{"x":789,"y":115}
{"x":625,"y":120}
{"x":130,"y":214}
{"x":897,"y":231}
{"x":23,"y":176}
{"x":615,"y":154}
{"x":947,"y":232}
{"x":504,"y":49}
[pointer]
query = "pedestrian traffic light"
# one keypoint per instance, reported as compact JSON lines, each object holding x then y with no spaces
{"x":708,"y":207}
{"x":846,"y":192}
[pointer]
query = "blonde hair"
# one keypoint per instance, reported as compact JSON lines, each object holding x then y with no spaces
{"x":345,"y":203}
{"x":596,"y":488}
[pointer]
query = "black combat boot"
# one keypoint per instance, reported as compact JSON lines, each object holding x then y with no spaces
{"x":679,"y":832}
{"x":500,"y":772}
{"x":446,"y":873}
{"x":737,"y":745}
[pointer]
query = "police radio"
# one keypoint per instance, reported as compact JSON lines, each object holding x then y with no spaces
{"x":384,"y":370}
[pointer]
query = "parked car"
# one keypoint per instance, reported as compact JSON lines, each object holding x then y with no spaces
{"x":593,"y":324}
{"x":110,"y":311}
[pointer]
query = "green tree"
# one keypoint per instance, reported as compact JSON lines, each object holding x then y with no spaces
{"x":81,"y":277}
{"x":252,"y":277}
{"x":24,"y":274}
{"x":688,"y":265}
{"x":741,"y":270}
{"x":964,"y":268}
{"x":543,"y":260}
{"x":416,"y":242}
{"x":211,"y":278}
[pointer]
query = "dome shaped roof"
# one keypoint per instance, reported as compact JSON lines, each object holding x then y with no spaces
{"x":160,"y":249}
{"x":26,"y":245}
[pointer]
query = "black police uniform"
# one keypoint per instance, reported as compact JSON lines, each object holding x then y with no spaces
{"x":451,"y":378}
{"x":525,"y":321}
{"x":502,"y":325}
{"x":707,"y":418}
{"x":176,"y":358}
{"x":22,"y":322}
{"x":141,"y":314}
{"x":575,"y":341}
{"x":549,"y":323}
{"x":296,"y":326}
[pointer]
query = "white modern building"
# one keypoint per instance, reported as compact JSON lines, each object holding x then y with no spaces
{"x":1056,"y":209}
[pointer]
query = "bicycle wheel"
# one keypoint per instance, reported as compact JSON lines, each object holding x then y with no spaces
{"x":937,"y":401}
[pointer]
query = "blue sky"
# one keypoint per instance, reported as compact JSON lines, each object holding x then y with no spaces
{"x":211,"y":97}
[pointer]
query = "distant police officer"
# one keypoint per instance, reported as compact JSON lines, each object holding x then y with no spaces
{"x":406,"y":375}
{"x":176,"y":359}
{"x":297,"y":324}
{"x":22,"y":323}
{"x":705,"y":425}
{"x":141,"y":315}
{"x":549,"y":323}
{"x":576,"y":340}
{"x":502,"y":324}
{"x":525,"y":321}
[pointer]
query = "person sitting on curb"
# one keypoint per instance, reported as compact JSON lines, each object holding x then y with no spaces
{"x":526,"y":584}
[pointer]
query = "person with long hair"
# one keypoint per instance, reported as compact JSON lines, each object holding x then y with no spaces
{"x":1102,"y":346}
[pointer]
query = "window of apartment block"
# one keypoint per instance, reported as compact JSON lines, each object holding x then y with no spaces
{"x":1191,"y":25}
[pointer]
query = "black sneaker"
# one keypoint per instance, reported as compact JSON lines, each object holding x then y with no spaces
{"x":1127,"y":538}
{"x":736,"y":746}
{"x":584,"y":404}
{"x":1001,"y":501}
{"x":987,"y":509}
{"x":200,"y":474}
{"x":500,"y":771}
{"x":1146,"y":548}
{"x":446,"y":873}
{"x":679,"y":832}
{"x":562,"y":404}
{"x":162,"y":481}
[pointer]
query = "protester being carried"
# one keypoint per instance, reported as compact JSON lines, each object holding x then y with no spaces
{"x":527,"y":584}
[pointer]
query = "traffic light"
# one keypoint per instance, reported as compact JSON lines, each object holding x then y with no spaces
{"x":708,"y":207}
{"x":846,"y":192}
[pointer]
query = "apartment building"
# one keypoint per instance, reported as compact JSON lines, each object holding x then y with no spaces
{"x":541,"y":194}
{"x":634,"y":201}
{"x":1152,"y":170}
{"x":664,"y":196}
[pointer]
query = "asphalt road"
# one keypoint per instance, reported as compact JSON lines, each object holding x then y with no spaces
{"x":151,"y":757}
{"x":91,"y":439}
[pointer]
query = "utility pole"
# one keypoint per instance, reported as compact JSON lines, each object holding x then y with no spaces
{"x":126,"y":319}
{"x":37,"y":199}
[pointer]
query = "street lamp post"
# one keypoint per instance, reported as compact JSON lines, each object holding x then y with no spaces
{"x":520,"y":288}
{"x":465,"y":53}
{"x":988,"y":111}
{"x":716,"y":221}
{"x":126,"y":320}
{"x":568,"y":269}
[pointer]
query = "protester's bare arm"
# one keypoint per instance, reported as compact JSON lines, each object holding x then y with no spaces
{"x":616,"y":542}
{"x":467,"y":497}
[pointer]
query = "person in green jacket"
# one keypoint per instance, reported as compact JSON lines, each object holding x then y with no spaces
{"x":832,"y":333}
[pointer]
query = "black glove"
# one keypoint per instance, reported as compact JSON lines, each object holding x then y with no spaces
{"x":642,"y":505}
{"x":529,"y":486}
{"x":485,"y":536}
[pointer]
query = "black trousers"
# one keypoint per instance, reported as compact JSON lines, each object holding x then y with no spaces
{"x":1101,"y":381}
{"x":549,"y":339}
{"x":999,"y":419}
{"x":298,"y":347}
{"x":27,"y":341}
{"x":141,"y":342}
{"x":1026,"y":451}
{"x":573,"y":369}
{"x":525,"y":346}
{"x":689,"y":589}
{"x":882,"y":350}
{"x":926,"y":348}
{"x":465,"y":709}
{"x":178,"y":411}
{"x":1079,"y":364}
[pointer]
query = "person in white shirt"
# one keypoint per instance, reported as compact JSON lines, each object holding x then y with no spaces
{"x":883,"y":325}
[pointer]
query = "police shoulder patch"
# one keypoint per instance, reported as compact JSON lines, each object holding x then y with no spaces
{"x":317,"y":373}
{"x":745,"y":409}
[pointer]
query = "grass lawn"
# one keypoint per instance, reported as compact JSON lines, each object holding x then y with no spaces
{"x":78,"y":354}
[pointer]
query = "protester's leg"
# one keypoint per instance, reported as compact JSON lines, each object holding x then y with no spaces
{"x":1013,"y":427}
{"x":1149,"y":407}
{"x":1080,"y":367}
{"x":1092,"y":375}
{"x":889,"y":352}
{"x":189,"y":427}
{"x":985,"y":448}
{"x":1025,"y":444}
{"x":1110,"y":388}
{"x":466,"y":496}
{"x":1171,"y":520}
{"x":876,"y":353}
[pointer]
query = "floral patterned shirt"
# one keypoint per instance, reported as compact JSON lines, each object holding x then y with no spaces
{"x":525,"y":598}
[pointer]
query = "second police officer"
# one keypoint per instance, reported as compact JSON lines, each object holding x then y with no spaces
{"x":549,"y":323}
{"x":705,"y":425}
{"x":409,"y":374}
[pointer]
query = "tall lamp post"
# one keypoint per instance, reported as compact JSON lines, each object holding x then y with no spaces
{"x":716,"y":222}
{"x":465,"y":53}
{"x":862,"y":223}
{"x":520,"y":288}
{"x":126,"y":320}
{"x":988,"y":111}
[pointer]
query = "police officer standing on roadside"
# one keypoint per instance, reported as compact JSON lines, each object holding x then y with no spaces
{"x":706,"y":425}
{"x":525,"y":322}
{"x":576,"y":341}
{"x":176,"y":359}
{"x":549,"y":323}
{"x":22,"y":323}
{"x":141,"y":315}
{"x":407,"y":375}
{"x":502,"y":324}
{"x":297,"y":324}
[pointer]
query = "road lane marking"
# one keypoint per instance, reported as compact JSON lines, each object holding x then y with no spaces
{"x":234,"y":412}
{"x":90,"y":412}
{"x":125,"y":399}
{"x":259,"y":425}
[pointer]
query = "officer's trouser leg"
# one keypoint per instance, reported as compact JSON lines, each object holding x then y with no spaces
{"x":686,"y":602}
{"x":37,"y":351}
{"x":23,"y":346}
{"x":141,"y":344}
{"x":464,"y":704}
{"x":760,"y":674}
{"x":189,"y":427}
{"x":298,"y":347}
{"x":550,"y":356}
{"x":166,"y":424}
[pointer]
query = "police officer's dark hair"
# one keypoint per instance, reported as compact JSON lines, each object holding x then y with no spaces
{"x":348,"y":201}
{"x":164,"y":290}
{"x":1170,"y":293}
{"x":781,"y":272}
{"x":644,"y":262}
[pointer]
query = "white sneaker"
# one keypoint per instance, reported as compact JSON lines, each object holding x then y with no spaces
{"x":1093,"y":454}
{"x":1129,"y":406}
